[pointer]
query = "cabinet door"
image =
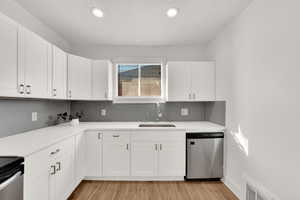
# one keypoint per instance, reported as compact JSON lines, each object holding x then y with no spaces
{"x":171,"y":159}
{"x":143,"y":158}
{"x":80,"y":161}
{"x":102,"y":80}
{"x":116,"y":152}
{"x":93,"y":154}
{"x":178,"y":81}
{"x":34,"y":61}
{"x":79,"y":77}
{"x":65,"y":169}
{"x":9,"y":85}
{"x":203,"y":81}
{"x":37,"y":176}
{"x":58,"y":74}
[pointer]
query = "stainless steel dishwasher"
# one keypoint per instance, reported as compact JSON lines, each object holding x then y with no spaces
{"x":204,"y":155}
{"x":11,"y":178}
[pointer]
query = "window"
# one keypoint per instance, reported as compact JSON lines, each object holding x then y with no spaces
{"x":139,"y":80}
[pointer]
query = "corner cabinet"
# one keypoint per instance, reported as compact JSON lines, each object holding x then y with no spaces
{"x":191,"y":81}
{"x":101,"y":80}
{"x":79,"y":78}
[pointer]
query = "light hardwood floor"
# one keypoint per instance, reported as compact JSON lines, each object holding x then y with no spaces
{"x":108,"y":190}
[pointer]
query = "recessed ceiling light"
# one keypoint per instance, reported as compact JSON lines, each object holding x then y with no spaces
{"x":97,"y":12}
{"x":172,"y":12}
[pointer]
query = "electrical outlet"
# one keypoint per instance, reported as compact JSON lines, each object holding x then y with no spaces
{"x":103,"y":112}
{"x":34,"y":116}
{"x":184,"y":112}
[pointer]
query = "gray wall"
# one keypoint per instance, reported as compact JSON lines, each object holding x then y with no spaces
{"x":148,"y":112}
{"x":15,"y":115}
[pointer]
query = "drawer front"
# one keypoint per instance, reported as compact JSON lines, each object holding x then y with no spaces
{"x":116,"y":136}
{"x":158,"y":136}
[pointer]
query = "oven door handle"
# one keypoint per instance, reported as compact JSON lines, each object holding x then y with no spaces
{"x":10,"y":180}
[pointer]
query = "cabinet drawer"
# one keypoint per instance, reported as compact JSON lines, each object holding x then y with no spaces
{"x":158,"y":136}
{"x":116,"y":136}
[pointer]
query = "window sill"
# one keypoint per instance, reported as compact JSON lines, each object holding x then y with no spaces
{"x":139,"y":100}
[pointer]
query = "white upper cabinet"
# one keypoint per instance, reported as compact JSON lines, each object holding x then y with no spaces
{"x":191,"y":81}
{"x":203,"y":80}
{"x":58,"y":74}
{"x":178,"y":81}
{"x":101,"y":80}
{"x":9,"y":85}
{"x":34,"y":61}
{"x":79,"y":78}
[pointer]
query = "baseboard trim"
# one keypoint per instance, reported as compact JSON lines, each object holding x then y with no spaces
{"x":125,"y":178}
{"x":233,"y":187}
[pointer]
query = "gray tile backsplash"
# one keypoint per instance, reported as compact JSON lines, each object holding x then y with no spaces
{"x":91,"y":111}
{"x":15,"y":114}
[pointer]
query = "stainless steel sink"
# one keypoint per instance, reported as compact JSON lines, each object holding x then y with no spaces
{"x":157,"y":125}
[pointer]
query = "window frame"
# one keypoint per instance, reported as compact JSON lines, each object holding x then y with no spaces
{"x":138,"y":99}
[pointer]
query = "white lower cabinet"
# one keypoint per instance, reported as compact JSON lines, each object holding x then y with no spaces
{"x":171,"y":158}
{"x":158,"y":154}
{"x":144,"y":158}
{"x":54,"y":173}
{"x":93,"y":153}
{"x":80,"y":158}
{"x":116,"y":154}
{"x":49,"y":174}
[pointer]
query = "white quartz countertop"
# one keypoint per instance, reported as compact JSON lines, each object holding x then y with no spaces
{"x":24,"y":144}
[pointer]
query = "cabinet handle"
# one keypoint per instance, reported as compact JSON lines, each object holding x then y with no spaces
{"x":28,"y":89}
{"x":190,"y":96}
{"x":116,"y":136}
{"x":70,"y":93}
{"x":53,"y":170}
{"x":160,"y":147}
{"x":21,"y":88}
{"x":194,"y":96}
{"x":54,"y":92}
{"x":57,"y":150}
{"x":99,"y":136}
{"x":127,"y":147}
{"x":59,"y":166}
{"x":155,"y":147}
{"x":53,"y":153}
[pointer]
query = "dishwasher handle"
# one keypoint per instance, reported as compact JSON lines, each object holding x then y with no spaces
{"x":10,"y":180}
{"x":204,"y":135}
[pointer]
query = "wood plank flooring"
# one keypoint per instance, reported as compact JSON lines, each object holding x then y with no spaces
{"x":109,"y":190}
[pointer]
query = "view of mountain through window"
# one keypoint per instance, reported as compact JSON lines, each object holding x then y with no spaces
{"x":139,"y":80}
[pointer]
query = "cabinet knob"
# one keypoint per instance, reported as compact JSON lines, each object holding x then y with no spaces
{"x":53,"y":170}
{"x":54,"y":92}
{"x":21,"y":88}
{"x":28,"y":89}
{"x":99,"y":136}
{"x":58,"y":166}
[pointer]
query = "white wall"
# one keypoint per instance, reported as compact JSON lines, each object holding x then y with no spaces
{"x":188,"y":52}
{"x":13,"y":10}
{"x":258,"y":68}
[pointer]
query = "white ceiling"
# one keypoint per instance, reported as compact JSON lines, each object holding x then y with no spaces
{"x":135,"y":22}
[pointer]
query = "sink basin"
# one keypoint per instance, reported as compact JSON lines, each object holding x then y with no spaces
{"x":157,"y":125}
